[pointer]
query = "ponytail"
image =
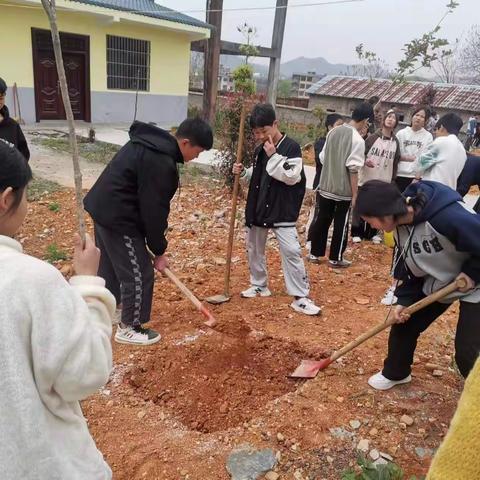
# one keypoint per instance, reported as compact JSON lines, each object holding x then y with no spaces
{"x":417,"y":202}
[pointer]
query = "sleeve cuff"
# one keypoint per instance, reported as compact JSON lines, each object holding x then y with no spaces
{"x":90,"y":286}
{"x":78,"y":280}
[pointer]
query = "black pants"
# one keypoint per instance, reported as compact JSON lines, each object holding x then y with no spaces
{"x":128,"y":272}
{"x":328,"y":211}
{"x":403,"y":182}
{"x":360,"y":228}
{"x":403,"y":339}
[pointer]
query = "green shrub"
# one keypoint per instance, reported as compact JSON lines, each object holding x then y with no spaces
{"x":366,"y":470}
{"x":54,"y":207}
{"x":54,"y":254}
{"x":227,"y":130}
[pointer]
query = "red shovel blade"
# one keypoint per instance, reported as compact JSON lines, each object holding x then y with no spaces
{"x":310,"y":368}
{"x":211,"y":322}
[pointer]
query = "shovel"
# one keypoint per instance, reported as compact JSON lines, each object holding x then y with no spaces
{"x":225,"y":296}
{"x":310,"y":368}
{"x":211,"y":322}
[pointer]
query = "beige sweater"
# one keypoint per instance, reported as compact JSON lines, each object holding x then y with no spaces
{"x":55,"y":351}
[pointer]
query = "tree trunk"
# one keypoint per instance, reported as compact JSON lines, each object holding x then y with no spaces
{"x":49,"y":7}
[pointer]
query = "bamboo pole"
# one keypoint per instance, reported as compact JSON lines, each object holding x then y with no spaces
{"x":50,"y":10}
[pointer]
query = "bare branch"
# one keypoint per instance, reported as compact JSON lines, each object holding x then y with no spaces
{"x":49,"y":7}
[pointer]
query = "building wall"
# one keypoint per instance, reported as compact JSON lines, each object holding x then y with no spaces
{"x":284,"y":112}
{"x":165,"y":103}
{"x":344,"y":106}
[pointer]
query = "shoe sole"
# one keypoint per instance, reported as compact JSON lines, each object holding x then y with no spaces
{"x":256,"y":295}
{"x":141,"y":344}
{"x":300,"y":310}
{"x":339,"y":266}
{"x":398,"y":382}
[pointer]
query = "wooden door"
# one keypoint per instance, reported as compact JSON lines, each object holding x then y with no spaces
{"x":48,"y":98}
{"x":47,"y":91}
{"x":75,"y":73}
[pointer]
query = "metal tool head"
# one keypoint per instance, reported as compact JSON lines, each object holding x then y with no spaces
{"x":310,"y":368}
{"x":218,"y":299}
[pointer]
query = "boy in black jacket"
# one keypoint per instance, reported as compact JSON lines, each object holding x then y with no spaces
{"x":9,"y":129}
{"x":129,"y":204}
{"x":277,"y":187}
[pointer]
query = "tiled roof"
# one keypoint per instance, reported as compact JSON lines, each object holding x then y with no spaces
{"x":449,"y":96}
{"x":147,"y":8}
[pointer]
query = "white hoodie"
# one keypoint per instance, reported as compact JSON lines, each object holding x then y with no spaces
{"x":413,"y":144}
{"x":442,"y":161}
{"x":55,"y":351}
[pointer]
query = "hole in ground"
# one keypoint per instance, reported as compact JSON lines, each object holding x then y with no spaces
{"x":217,"y":382}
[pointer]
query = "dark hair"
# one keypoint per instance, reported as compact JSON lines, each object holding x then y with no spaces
{"x":362,"y":112}
{"x":196,"y":130}
{"x":263,"y":115}
{"x":419,"y":108}
{"x":391,"y":112}
{"x":451,"y":122}
{"x":380,"y":199}
{"x":332,"y":119}
{"x":14,"y":171}
{"x":3,"y":86}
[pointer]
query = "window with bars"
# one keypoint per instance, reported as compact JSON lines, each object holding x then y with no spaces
{"x":128,"y":63}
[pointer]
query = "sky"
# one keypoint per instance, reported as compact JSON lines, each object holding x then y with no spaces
{"x":333,"y":31}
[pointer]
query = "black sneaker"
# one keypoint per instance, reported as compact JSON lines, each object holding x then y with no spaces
{"x":137,"y":335}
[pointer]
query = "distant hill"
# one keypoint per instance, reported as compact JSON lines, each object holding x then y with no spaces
{"x":318,"y":65}
{"x":298,"y":65}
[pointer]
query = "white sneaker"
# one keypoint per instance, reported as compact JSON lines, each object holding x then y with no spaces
{"x":339,"y":263}
{"x":137,"y":335}
{"x":306,"y":306}
{"x":389,"y":298}
{"x":313,"y":259}
{"x":253,"y":291}
{"x":377,"y":239}
{"x":379,"y":382}
{"x":356,"y":240}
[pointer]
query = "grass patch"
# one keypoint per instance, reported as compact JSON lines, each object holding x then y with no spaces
{"x":366,"y":470}
{"x":54,"y":207}
{"x":39,"y":187}
{"x":191,"y":173}
{"x":96,"y":152}
{"x":54,"y":254}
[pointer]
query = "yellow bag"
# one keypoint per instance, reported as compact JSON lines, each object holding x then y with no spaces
{"x":388,"y":239}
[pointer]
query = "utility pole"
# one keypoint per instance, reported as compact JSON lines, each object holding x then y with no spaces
{"x":212,"y":59}
{"x":277,"y":45}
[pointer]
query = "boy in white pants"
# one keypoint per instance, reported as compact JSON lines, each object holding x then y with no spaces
{"x":275,"y":196}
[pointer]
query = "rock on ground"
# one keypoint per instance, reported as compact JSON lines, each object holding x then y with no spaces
{"x":250,"y":464}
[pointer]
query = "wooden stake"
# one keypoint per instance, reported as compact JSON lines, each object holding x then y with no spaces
{"x":236,"y":187}
{"x":50,"y":10}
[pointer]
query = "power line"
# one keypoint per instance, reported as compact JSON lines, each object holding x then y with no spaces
{"x":240,"y":9}
{"x":273,"y":7}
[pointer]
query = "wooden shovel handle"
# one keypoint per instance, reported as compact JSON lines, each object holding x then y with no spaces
{"x":183,"y":288}
{"x":236,"y":186}
{"x":424,"y":302}
{"x":190,"y":296}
